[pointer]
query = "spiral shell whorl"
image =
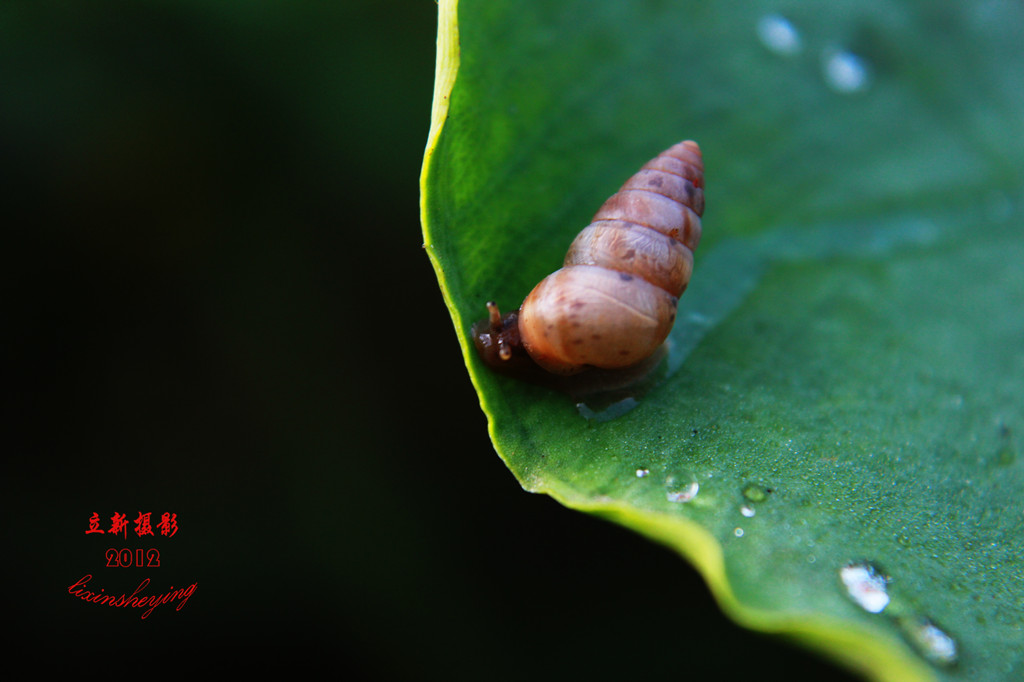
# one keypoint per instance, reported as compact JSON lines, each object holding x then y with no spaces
{"x":614,"y":301}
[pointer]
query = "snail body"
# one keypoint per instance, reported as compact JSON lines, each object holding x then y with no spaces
{"x":613,"y":303}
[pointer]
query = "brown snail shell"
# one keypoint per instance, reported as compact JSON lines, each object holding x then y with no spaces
{"x":613,"y":303}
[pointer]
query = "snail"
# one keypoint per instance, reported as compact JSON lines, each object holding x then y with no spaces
{"x":613,"y":303}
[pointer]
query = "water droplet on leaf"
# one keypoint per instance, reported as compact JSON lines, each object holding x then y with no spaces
{"x":681,"y":488}
{"x":930,"y":640}
{"x":845,"y":72}
{"x":866,"y":585}
{"x":778,"y":34}
{"x":755,"y":493}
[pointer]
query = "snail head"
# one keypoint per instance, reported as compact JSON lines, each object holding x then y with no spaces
{"x":497,"y":339}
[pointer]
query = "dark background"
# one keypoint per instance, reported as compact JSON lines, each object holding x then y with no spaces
{"x":216,"y":304}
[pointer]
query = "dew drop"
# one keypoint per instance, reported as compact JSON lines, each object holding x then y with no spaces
{"x":866,"y":585}
{"x":681,"y":488}
{"x":747,"y":510}
{"x":778,"y":34}
{"x":643,"y":473}
{"x":930,"y":640}
{"x":755,"y":493}
{"x":845,"y":72}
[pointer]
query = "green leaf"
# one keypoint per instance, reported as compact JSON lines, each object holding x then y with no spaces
{"x":843,"y":382}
